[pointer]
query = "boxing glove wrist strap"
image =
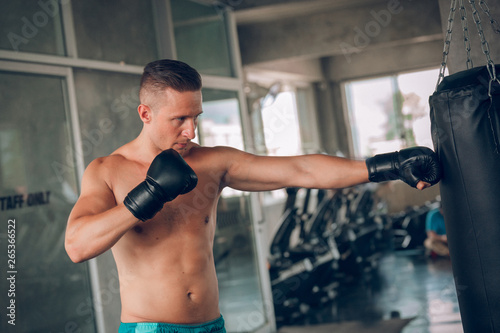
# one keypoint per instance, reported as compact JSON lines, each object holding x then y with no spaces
{"x":142,"y":202}
{"x":383,"y":167}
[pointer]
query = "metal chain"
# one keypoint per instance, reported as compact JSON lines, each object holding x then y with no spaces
{"x":496,"y":29}
{"x":465,"y":29}
{"x":484,"y":44}
{"x":486,"y":10}
{"x":447,"y":41}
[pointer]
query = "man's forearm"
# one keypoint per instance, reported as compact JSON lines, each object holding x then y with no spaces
{"x":333,"y":172}
{"x":89,"y":236}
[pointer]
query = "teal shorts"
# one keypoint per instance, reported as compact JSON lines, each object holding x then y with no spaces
{"x":214,"y":326}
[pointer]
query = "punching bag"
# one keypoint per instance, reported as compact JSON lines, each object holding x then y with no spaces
{"x":465,"y":126}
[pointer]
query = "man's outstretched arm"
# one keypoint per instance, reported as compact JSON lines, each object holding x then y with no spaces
{"x":249,"y":172}
{"x":417,"y":166}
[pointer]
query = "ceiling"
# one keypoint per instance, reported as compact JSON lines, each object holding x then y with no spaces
{"x":311,"y":39}
{"x":254,"y":11}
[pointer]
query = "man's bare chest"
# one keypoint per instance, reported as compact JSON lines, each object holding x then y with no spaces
{"x":193,"y":213}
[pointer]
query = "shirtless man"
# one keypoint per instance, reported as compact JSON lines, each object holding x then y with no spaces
{"x":161,"y":229}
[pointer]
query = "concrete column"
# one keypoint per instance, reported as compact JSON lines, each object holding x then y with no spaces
{"x":334,"y":137}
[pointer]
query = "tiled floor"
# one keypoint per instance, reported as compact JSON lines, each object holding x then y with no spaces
{"x":408,"y":284}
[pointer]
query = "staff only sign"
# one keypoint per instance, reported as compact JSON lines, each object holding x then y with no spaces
{"x":24,"y":200}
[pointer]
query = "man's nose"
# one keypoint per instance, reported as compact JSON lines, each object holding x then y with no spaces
{"x":190,"y":130}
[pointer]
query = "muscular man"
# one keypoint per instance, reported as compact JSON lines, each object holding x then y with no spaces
{"x":153,"y":202}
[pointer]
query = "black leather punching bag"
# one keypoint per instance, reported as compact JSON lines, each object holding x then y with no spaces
{"x":465,"y":125}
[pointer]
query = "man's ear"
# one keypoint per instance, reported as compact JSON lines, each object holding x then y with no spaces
{"x":145,"y":113}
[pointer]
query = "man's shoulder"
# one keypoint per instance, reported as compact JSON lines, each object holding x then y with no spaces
{"x":106,"y":169}
{"x":105,"y":165}
{"x":108,"y":161}
{"x":213,"y":149}
{"x":216,"y":152}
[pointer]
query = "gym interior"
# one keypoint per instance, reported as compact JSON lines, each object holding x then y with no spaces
{"x":349,"y":78}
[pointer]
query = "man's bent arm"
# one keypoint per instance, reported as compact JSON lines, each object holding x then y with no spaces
{"x":89,"y":236}
{"x":96,"y":223}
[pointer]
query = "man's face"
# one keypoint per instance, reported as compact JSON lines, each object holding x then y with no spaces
{"x":174,"y":119}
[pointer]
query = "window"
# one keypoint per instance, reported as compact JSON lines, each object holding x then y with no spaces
{"x":281,"y":126}
{"x":202,"y":28}
{"x":390,"y":113}
{"x":107,"y":104}
{"x":105,"y":31}
{"x":31,"y":26}
{"x":220,"y":123}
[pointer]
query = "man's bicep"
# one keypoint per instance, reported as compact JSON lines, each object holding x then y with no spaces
{"x":248,"y":172}
{"x":96,"y":196}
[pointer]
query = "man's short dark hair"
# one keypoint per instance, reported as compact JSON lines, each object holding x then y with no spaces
{"x":166,"y":73}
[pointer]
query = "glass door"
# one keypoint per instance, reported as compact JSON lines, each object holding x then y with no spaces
{"x":43,"y":291}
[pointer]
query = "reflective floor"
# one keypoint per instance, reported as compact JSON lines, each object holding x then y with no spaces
{"x":409,"y":286}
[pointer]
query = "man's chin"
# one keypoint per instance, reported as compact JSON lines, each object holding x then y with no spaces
{"x":181,"y":147}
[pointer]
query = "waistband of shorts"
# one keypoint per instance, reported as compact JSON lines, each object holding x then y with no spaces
{"x":213,"y":326}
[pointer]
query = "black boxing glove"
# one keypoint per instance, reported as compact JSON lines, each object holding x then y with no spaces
{"x":168,"y":176}
{"x":410,"y":165}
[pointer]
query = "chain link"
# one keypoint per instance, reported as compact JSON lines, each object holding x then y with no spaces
{"x":484,"y":44}
{"x":490,"y":65}
{"x":493,"y":78}
{"x":447,"y":41}
{"x":465,"y":29}
{"x":486,"y":10}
